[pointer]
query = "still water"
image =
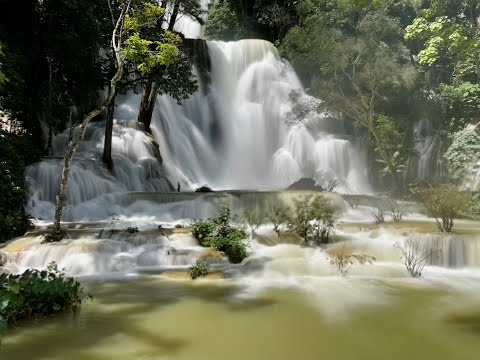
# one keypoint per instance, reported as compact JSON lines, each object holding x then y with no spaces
{"x":153,"y":318}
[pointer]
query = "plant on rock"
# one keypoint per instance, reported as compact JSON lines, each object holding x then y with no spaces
{"x":222,"y":234}
{"x":445,"y":204}
{"x":199,"y":269}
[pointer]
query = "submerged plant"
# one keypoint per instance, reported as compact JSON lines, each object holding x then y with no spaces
{"x":378,"y":215}
{"x":343,"y":262}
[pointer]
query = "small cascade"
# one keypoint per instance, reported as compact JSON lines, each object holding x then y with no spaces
{"x":431,"y":150}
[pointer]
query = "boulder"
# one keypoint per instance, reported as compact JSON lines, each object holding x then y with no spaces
{"x":305,"y":184}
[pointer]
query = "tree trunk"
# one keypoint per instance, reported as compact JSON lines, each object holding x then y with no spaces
{"x":73,"y":144}
{"x":147,"y":105}
{"x":174,"y":15}
{"x":107,"y":148}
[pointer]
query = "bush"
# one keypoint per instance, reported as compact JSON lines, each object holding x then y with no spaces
{"x":445,"y":204}
{"x":313,"y":219}
{"x":38,"y":293}
{"x":132,"y":229}
{"x":378,"y":215}
{"x":203,"y":189}
{"x":201,"y":229}
{"x":415,"y":255}
{"x":199,"y":269}
{"x":222,"y":234}
{"x":395,"y":210}
{"x":278,"y":216}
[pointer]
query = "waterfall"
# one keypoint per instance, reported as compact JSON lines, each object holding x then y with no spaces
{"x":234,"y":134}
{"x":231,"y":134}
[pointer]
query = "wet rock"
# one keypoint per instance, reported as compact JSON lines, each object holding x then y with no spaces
{"x":211,"y":256}
{"x":305,"y":184}
{"x":4,"y":258}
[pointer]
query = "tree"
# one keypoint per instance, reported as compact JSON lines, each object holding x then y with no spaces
{"x":416,"y":253}
{"x":361,"y":72}
{"x":127,"y":46}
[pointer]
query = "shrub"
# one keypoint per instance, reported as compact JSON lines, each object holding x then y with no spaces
{"x":54,"y":235}
{"x":199,"y":269}
{"x":352,"y":200}
{"x":253,"y":219}
{"x":222,"y":234}
{"x":132,"y":229}
{"x":378,"y":215}
{"x":38,"y":293}
{"x":445,"y":204}
{"x":201,"y":229}
{"x":313,"y":219}
{"x":395,"y":210}
{"x":203,"y":188}
{"x":331,"y":185}
{"x":415,"y":255}
{"x":278,"y":216}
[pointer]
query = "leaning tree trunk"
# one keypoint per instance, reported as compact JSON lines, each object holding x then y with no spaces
{"x":147,"y":105}
{"x":72,"y":145}
{"x":107,"y":147}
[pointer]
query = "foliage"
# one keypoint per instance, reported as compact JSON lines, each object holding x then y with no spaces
{"x":460,"y":104}
{"x":445,"y":204}
{"x":223,"y":23}
{"x":278,"y":216}
{"x":15,"y":153}
{"x":204,"y":188}
{"x":312,"y":219}
{"x":199,"y":269}
{"x":253,"y":219}
{"x":132,"y":229}
{"x":222,"y":234}
{"x":472,"y":211}
{"x":415,"y":255}
{"x":463,"y":153}
{"x":201,"y":229}
{"x":38,"y":293}
{"x":343,"y":262}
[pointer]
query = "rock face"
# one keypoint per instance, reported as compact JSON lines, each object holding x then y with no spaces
{"x":305,"y":184}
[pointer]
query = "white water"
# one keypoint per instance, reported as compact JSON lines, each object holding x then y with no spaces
{"x":235,"y":136}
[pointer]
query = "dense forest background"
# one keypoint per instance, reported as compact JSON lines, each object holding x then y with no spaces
{"x":381,"y":65}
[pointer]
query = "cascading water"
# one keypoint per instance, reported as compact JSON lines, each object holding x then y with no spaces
{"x":235,"y":135}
